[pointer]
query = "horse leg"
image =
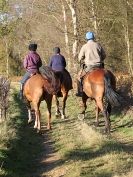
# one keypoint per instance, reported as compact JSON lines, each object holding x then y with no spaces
{"x":49,"y":103}
{"x":106,"y":117}
{"x":97,"y":115}
{"x":109,"y":108}
{"x":37,"y":120}
{"x":37,"y":116}
{"x":57,"y":113}
{"x":84,"y":106}
{"x":65,"y":94}
{"x":29,"y":116}
{"x":29,"y":111}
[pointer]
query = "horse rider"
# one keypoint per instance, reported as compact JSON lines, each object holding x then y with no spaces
{"x":32,"y":62}
{"x":91,"y":56}
{"x":57,"y":62}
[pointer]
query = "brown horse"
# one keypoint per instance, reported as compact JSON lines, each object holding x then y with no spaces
{"x":66,"y":85}
{"x":99,"y":84}
{"x":38,"y":88}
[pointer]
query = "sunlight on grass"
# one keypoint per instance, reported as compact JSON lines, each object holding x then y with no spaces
{"x":85,"y":152}
{"x":82,"y":149}
{"x":129,"y":174}
{"x":91,"y":137}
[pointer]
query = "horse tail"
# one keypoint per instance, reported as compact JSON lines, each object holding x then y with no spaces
{"x":112,"y":96}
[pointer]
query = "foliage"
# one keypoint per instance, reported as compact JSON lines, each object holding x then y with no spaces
{"x":42,"y":22}
{"x":4,"y":97}
{"x":19,"y":144}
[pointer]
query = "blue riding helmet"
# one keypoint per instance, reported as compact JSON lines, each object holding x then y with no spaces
{"x":89,"y":35}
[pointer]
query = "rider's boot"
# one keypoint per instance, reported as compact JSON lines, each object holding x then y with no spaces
{"x":79,"y":88}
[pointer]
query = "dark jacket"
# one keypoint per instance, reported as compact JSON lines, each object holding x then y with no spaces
{"x":57,"y":62}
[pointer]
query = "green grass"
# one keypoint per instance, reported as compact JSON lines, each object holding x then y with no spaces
{"x":82,"y":150}
{"x":20,"y":145}
{"x":86,"y":152}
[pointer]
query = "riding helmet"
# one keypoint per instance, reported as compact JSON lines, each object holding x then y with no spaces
{"x":32,"y":47}
{"x":56,"y":50}
{"x":90,"y":35}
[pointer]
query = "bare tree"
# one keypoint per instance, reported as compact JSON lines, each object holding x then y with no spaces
{"x":94,"y":17}
{"x":72,"y":6}
{"x":4,"y":93}
{"x":126,"y":28}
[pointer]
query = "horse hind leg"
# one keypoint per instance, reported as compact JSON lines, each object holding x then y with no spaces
{"x":57,"y":113}
{"x":109,"y":108}
{"x":30,"y":119}
{"x":63,"y":115}
{"x":29,"y":116}
{"x":106,"y":116}
{"x":49,"y":104}
{"x":37,"y":120}
{"x":97,"y":116}
{"x":37,"y":124}
{"x":81,"y":116}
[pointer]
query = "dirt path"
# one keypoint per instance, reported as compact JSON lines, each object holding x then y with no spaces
{"x":50,"y":164}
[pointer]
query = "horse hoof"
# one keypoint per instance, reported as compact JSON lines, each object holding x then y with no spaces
{"x":49,"y":128}
{"x":96,"y":124}
{"x":35,"y":126}
{"x":107,"y":132}
{"x":57,"y":114}
{"x":63,"y":117}
{"x":81,"y":116}
{"x":30,"y":121}
{"x":38,"y":131}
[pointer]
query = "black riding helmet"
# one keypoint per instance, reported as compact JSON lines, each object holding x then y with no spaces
{"x":56,"y":50}
{"x":32,"y":47}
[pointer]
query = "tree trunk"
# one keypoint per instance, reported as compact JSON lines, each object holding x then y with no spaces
{"x":72,"y":6}
{"x":7,"y":57}
{"x":66,"y":35}
{"x":94,"y":18}
{"x":129,"y":57}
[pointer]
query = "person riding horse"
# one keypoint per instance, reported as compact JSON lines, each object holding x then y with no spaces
{"x":31,"y":63}
{"x":58,"y":64}
{"x":91,"y":56}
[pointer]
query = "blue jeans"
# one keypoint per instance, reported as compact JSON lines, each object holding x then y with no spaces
{"x":25,"y":78}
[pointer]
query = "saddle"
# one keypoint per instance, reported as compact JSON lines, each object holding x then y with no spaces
{"x":89,"y":69}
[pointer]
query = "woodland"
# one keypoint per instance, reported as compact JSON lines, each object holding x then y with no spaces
{"x":74,"y":147}
{"x":64,"y":23}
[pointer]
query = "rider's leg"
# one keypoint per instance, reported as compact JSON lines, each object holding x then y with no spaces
{"x":79,"y":88}
{"x":22,"y":82}
{"x":79,"y":83}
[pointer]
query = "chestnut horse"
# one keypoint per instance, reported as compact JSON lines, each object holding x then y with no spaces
{"x":100,"y":84}
{"x":38,"y":88}
{"x":66,"y":85}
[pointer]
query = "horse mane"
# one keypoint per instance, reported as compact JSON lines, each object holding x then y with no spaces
{"x":49,"y":74}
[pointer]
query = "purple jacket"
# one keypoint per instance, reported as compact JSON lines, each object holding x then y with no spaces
{"x":57,"y":62}
{"x":32,"y":62}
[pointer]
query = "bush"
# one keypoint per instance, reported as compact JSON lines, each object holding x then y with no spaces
{"x":4,"y":96}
